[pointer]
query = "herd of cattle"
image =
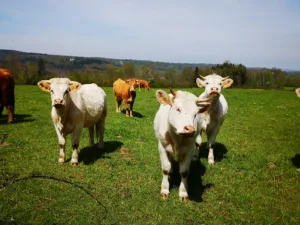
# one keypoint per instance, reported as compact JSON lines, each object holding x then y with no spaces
{"x":178,"y":123}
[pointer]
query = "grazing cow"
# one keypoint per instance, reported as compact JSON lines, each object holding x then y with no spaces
{"x":125,"y":91}
{"x":215,"y":116}
{"x":175,"y":127}
{"x":75,"y":106}
{"x":7,"y":94}
{"x":144,"y":84}
{"x":298,"y":92}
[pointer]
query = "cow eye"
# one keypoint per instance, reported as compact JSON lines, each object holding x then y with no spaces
{"x":220,"y":84}
{"x":178,"y":110}
{"x":51,"y":91}
{"x":206,"y":83}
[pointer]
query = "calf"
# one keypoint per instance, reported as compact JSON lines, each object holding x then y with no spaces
{"x":7,"y":94}
{"x":144,"y":84}
{"x":75,"y":106}
{"x":125,"y":91}
{"x":175,"y":127}
{"x":298,"y":92}
{"x":214,"y":117}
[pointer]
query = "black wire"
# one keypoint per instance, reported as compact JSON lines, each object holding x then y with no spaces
{"x":56,"y":179}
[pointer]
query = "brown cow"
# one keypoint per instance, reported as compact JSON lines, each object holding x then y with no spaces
{"x":125,"y":91}
{"x":298,"y":92}
{"x":143,"y":83}
{"x":7,"y":94}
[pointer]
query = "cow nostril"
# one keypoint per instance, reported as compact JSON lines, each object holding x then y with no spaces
{"x":211,"y":89}
{"x":217,"y":89}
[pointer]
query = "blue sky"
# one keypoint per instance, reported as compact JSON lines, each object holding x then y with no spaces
{"x":260,"y":33}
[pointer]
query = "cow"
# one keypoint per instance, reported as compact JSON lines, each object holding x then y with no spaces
{"x":144,"y":84}
{"x":125,"y":91}
{"x":175,"y":127}
{"x":7,"y":94}
{"x":298,"y":92}
{"x":216,"y":114}
{"x":75,"y":106}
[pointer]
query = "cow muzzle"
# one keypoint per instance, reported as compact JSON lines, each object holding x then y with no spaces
{"x":214,"y":92}
{"x":58,"y":103}
{"x":188,"y":131}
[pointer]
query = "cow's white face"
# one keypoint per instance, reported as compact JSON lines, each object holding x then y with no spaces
{"x":184,"y":110}
{"x":59,"y":89}
{"x":214,"y":84}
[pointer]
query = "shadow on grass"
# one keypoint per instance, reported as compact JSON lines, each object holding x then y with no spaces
{"x":135,"y":114}
{"x":195,"y":186}
{"x":296,"y":160}
{"x":219,"y":151}
{"x":89,"y":155}
{"x":19,"y":118}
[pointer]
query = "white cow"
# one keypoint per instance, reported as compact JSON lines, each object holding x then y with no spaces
{"x":175,"y":127}
{"x":75,"y":106}
{"x":298,"y":92}
{"x":215,"y":116}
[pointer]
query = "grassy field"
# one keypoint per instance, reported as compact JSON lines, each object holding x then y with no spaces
{"x":255,"y":180}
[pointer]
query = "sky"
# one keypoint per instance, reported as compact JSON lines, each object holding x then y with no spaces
{"x":256,"y":33}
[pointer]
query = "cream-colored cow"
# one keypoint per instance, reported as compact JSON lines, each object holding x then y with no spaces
{"x":75,"y":106}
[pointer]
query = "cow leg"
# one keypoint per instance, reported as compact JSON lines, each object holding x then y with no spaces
{"x":62,"y":145}
{"x":91,"y":135}
{"x":166,"y":169}
{"x":184,"y":166}
{"x":126,"y":107}
{"x":211,"y":138}
{"x":118,"y":105}
{"x":131,"y":109}
{"x":100,"y":126}
{"x":75,"y":144}
{"x":197,"y":146}
{"x":10,"y":113}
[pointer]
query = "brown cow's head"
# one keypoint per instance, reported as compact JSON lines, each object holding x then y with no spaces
{"x":59,"y":89}
{"x":132,"y":83}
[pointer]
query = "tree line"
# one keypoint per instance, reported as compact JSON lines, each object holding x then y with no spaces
{"x":30,"y":72}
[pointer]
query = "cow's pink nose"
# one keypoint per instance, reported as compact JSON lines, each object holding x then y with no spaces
{"x":189,"y":129}
{"x":58,"y":102}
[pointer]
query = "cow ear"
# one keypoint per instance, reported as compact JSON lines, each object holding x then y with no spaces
{"x":44,"y":85}
{"x":227,"y":83}
{"x":163,"y":97}
{"x":74,"y":86}
{"x":298,"y":92}
{"x":200,"y":82}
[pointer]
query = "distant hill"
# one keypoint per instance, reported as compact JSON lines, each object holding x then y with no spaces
{"x":62,"y":64}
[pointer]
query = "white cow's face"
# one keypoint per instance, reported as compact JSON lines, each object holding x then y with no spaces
{"x":184,"y":110}
{"x":59,"y":89}
{"x":214,"y":84}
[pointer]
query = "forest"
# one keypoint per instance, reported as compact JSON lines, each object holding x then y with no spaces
{"x":29,"y":68}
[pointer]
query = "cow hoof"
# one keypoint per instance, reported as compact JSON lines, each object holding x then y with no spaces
{"x":184,"y":199}
{"x":74,"y":163}
{"x":61,"y":160}
{"x":164,"y":196}
{"x":211,"y":163}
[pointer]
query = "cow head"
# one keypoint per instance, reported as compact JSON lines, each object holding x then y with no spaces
{"x":185,"y":107}
{"x":214,"y":84}
{"x":132,"y":83}
{"x":298,"y":92}
{"x":59,"y":89}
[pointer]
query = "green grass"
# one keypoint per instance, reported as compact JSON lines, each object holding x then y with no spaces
{"x":262,"y":127}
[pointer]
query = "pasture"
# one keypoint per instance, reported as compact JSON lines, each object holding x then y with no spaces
{"x":255,"y":180}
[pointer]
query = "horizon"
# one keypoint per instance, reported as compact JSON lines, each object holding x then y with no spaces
{"x":253,"y":33}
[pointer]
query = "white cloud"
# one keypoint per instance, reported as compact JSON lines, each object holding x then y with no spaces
{"x":255,"y":33}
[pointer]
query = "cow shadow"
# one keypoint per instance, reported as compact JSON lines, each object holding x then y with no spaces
{"x":220,"y":151}
{"x":18,"y":118}
{"x":134,"y":113}
{"x":296,"y":161}
{"x":89,"y":155}
{"x":195,"y":184}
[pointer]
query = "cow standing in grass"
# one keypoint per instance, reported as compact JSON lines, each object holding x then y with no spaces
{"x":144,"y":84}
{"x":215,"y":116}
{"x":298,"y":92}
{"x":7,"y":94}
{"x":125,"y":91}
{"x":175,"y":127}
{"x":75,"y":106}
